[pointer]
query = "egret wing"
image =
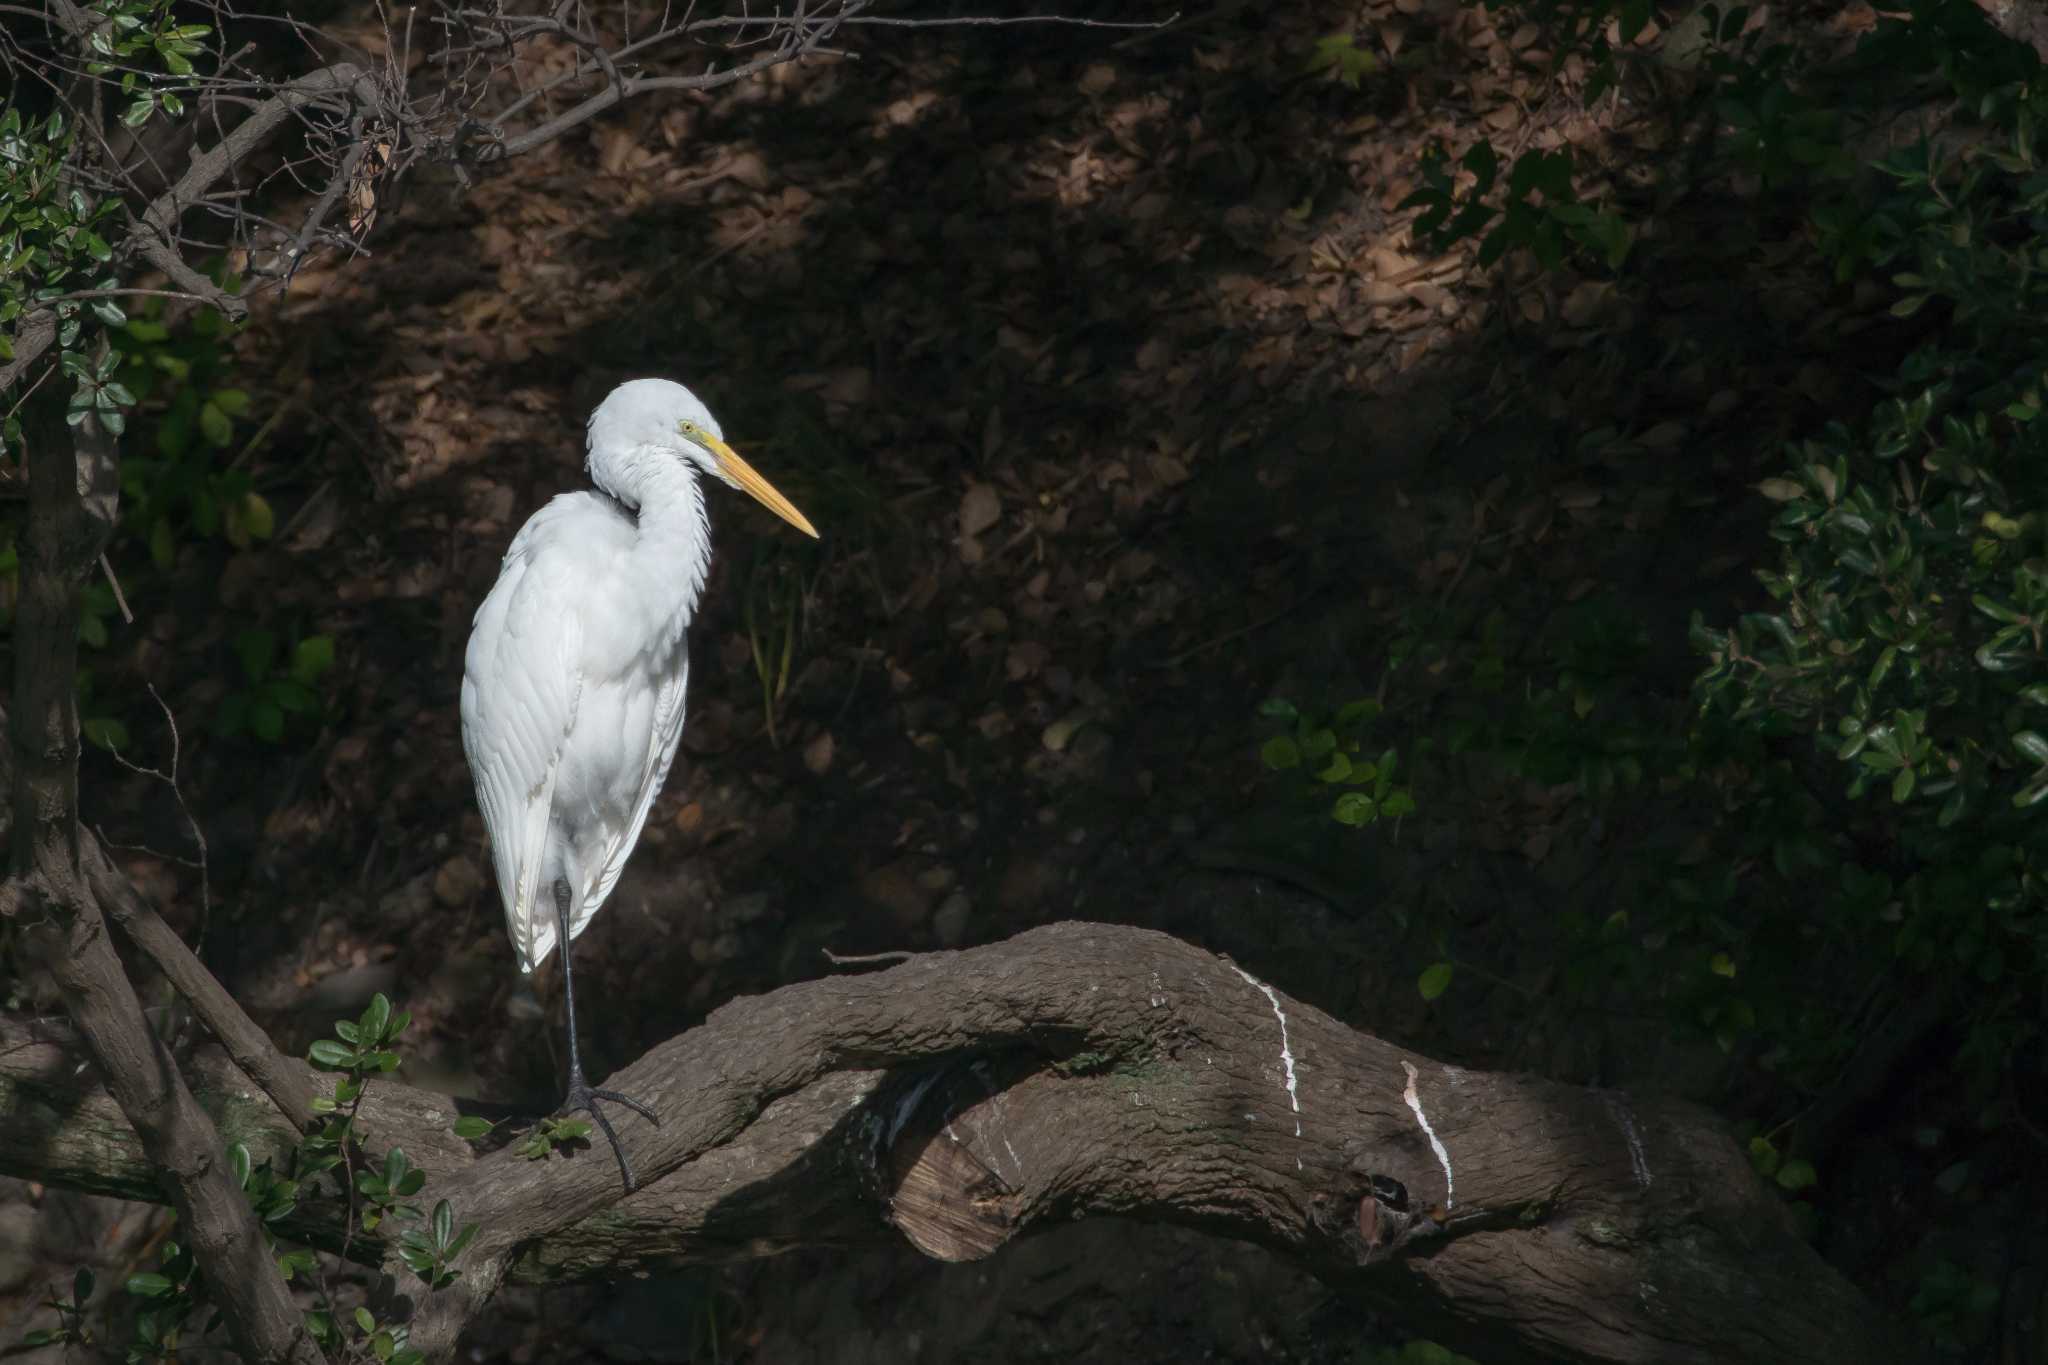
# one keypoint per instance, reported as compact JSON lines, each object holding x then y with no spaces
{"x":663,"y":737}
{"x":521,"y":684}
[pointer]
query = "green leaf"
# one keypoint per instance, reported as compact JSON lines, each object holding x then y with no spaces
{"x":1797,"y":1174}
{"x":375,"y":1016}
{"x":1902,"y":785}
{"x":471,"y":1127}
{"x":238,"y":1162}
{"x":150,"y":1285}
{"x":2030,"y":743}
{"x":138,"y":113}
{"x":1397,"y":804}
{"x":105,"y":732}
{"x":1997,"y":611}
{"x":233,"y":402}
{"x":1280,"y":753}
{"x":365,"y":1321}
{"x":1354,"y":809}
{"x":330,"y":1054}
{"x":215,"y":425}
{"x":312,"y":658}
{"x":1435,"y":980}
{"x":462,"y":1239}
{"x":444,"y":1223}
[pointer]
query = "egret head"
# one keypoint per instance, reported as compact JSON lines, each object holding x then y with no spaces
{"x":661,"y":415}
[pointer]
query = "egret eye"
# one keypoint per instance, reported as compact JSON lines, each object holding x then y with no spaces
{"x":689,"y":428}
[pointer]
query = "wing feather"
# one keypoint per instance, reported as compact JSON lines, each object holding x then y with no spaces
{"x":521,"y":685}
{"x":663,"y":737}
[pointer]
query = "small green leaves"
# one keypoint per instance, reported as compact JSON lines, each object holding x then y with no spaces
{"x":70,"y":1312}
{"x":1435,"y":980}
{"x":1333,"y":750}
{"x":1342,"y":59}
{"x":275,"y":691}
{"x":312,"y":657}
{"x":385,"y":1189}
{"x":552,"y":1133}
{"x":430,"y":1251}
{"x":1354,"y":809}
{"x":365,"y":1042}
{"x":470,"y":1127}
{"x":150,"y":1285}
{"x":330,"y":1054}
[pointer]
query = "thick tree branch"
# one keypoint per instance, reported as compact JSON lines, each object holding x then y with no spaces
{"x":284,"y":1080}
{"x":1084,"y":1069}
{"x":72,"y":505}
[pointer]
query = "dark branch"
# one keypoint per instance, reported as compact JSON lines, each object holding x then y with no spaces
{"x":1084,"y":1069}
{"x":72,"y":483}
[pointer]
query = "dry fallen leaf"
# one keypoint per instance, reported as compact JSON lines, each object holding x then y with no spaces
{"x":980,"y":509}
{"x":818,"y":754}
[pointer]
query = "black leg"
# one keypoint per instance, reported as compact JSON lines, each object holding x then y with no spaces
{"x":583,"y":1099}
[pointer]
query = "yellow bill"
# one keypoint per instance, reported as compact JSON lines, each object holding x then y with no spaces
{"x":747,"y":477}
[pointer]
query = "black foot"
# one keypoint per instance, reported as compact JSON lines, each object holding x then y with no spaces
{"x":584,"y":1100}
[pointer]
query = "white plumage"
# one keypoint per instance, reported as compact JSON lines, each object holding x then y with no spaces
{"x":572,"y":685}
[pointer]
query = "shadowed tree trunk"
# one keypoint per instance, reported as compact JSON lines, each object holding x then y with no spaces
{"x":964,"y":1098}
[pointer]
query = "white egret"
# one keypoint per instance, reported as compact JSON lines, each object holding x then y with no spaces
{"x":572,"y":685}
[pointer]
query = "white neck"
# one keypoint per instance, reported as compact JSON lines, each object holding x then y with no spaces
{"x":675,"y":531}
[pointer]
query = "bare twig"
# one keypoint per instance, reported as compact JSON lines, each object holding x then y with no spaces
{"x":120,"y":598}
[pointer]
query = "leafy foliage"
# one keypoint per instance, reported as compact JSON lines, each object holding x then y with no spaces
{"x":1341,"y":58}
{"x":278,"y":686}
{"x":552,"y":1133}
{"x":1328,"y":752}
{"x":1910,"y":598}
{"x":1537,"y":207}
{"x":54,"y":250}
{"x":71,"y":1328}
{"x":430,"y":1250}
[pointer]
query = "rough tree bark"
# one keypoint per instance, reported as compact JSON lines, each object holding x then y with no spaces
{"x":72,"y":498}
{"x":964,"y":1098}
